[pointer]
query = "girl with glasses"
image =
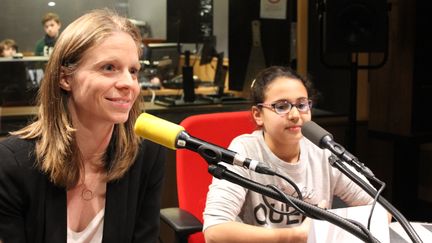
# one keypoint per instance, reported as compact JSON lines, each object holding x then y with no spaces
{"x":282,"y":104}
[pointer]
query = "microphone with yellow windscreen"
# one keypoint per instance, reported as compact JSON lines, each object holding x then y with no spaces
{"x":174,"y":136}
{"x":158,"y":130}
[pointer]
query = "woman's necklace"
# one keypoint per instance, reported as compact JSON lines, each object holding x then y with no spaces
{"x":87,"y":194}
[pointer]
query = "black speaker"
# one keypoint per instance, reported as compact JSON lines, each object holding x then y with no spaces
{"x":355,"y":26}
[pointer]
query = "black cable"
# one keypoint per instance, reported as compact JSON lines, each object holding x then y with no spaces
{"x":292,"y":183}
{"x":282,"y":194}
{"x":363,"y":228}
{"x":372,"y":192}
{"x":298,"y":209}
{"x":375,"y":199}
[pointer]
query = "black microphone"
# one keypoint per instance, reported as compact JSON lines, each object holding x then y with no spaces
{"x":323,"y":139}
{"x":174,"y":136}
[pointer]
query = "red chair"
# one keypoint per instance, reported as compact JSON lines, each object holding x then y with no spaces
{"x":192,"y":176}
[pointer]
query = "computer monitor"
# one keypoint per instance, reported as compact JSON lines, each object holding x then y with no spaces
{"x":221,"y":71}
{"x":166,"y":57}
{"x":20,"y":80}
{"x":208,"y":52}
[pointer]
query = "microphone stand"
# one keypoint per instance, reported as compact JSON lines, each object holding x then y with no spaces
{"x":336,"y":162}
{"x":221,"y":172}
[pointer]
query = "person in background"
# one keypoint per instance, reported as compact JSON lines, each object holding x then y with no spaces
{"x":51,"y":23}
{"x":8,"y":48}
{"x":78,"y":173}
{"x":282,"y":102}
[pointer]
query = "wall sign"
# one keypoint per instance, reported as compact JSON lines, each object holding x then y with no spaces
{"x":273,"y":9}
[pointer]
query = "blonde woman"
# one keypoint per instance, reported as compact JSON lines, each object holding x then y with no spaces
{"x":78,"y":173}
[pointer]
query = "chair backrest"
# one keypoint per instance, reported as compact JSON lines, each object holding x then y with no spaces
{"x":192,"y":176}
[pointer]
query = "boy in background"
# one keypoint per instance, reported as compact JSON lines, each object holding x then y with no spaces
{"x":51,"y":23}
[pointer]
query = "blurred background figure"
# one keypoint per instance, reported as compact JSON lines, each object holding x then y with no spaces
{"x":8,"y":48}
{"x":51,"y":23}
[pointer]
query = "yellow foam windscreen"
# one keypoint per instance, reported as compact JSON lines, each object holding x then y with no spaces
{"x":157,"y":130}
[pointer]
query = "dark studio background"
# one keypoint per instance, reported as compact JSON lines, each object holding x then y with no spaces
{"x":379,"y":107}
{"x":381,"y":114}
{"x":393,"y":137}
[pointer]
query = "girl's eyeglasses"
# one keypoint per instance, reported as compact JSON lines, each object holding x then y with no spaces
{"x":283,"y":107}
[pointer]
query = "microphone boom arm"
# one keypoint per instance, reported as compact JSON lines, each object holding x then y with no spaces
{"x":213,"y":157}
{"x":344,"y":155}
{"x":323,"y":139}
{"x":221,"y":172}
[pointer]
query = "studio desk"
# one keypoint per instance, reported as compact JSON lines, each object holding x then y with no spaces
{"x":15,"y":117}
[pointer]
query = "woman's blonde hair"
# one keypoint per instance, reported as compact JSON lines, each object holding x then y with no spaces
{"x":56,"y":150}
